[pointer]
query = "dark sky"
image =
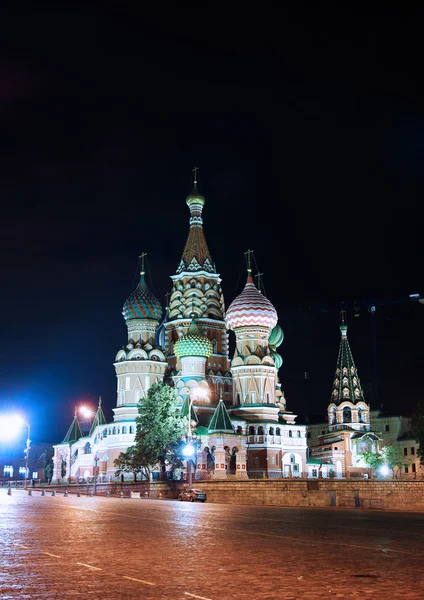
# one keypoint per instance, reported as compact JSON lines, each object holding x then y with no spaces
{"x":308,"y":127}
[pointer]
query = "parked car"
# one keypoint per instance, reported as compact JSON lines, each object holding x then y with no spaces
{"x":191,"y":495}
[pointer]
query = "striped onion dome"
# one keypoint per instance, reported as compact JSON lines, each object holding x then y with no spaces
{"x":276,"y":337}
{"x":193,"y":343}
{"x":142,"y":304}
{"x":251,"y":309}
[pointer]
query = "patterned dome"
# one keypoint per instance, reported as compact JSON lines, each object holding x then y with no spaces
{"x":278,"y":359}
{"x":276,"y":337}
{"x":251,"y":309}
{"x":195,"y":197}
{"x":142,"y":304}
{"x":193,"y":343}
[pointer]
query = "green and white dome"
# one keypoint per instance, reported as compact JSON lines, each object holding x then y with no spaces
{"x":193,"y":343}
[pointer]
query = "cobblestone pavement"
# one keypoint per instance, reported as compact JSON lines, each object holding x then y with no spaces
{"x":68,"y":547}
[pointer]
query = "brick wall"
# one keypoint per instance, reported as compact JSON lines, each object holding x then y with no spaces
{"x":395,"y":495}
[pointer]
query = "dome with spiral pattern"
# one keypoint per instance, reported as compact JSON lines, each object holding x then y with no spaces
{"x":193,"y":343}
{"x":142,"y":304}
{"x":251,"y":309}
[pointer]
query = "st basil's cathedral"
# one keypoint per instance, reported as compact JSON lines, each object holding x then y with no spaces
{"x":239,"y":408}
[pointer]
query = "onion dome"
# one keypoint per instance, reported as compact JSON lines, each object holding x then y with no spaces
{"x":277,"y":358}
{"x":142,"y":304}
{"x":276,"y":337}
{"x":251,"y":309}
{"x":193,"y":343}
{"x":195,"y":197}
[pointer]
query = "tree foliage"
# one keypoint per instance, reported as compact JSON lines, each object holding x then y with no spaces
{"x":130,"y":462}
{"x":160,"y":428}
{"x":395,"y":459}
{"x":417,"y":429}
{"x":373,"y":460}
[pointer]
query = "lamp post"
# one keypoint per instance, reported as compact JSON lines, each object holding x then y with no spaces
{"x":189,"y":450}
{"x":87,"y":413}
{"x":9,"y":426}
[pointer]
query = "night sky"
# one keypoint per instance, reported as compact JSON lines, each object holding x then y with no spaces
{"x":308,"y":128}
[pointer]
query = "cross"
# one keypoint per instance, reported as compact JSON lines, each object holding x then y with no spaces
{"x":249,"y":253}
{"x":258,"y":283}
{"x":195,"y":175}
{"x":142,"y":256}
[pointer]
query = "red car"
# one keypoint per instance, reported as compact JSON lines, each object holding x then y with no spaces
{"x":191,"y":495}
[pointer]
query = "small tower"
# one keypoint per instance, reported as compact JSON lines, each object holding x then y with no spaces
{"x":252,"y":317}
{"x":348,"y":406}
{"x":140,"y":363}
{"x":193,"y":350}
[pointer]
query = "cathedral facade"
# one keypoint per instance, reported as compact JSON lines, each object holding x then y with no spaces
{"x":243,"y":426}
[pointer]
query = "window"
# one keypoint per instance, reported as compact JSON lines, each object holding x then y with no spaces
{"x":124,"y":429}
{"x":122,"y":397}
{"x":271,"y":431}
{"x":256,"y":460}
{"x":131,"y":429}
{"x":276,"y":459}
{"x":290,"y":433}
{"x":292,"y":459}
{"x":413,"y":450}
{"x":298,"y":434}
{"x":387,"y":428}
{"x":252,"y":397}
{"x":273,"y":460}
{"x":8,"y":471}
{"x":406,"y":469}
{"x":295,"y":467}
{"x":251,"y":430}
{"x":35,"y":475}
{"x":314,"y":473}
{"x":238,"y":398}
{"x":405,"y":451}
{"x":414,"y":468}
{"x":336,"y":447}
{"x":22,"y":471}
{"x":278,"y":431}
{"x":267,"y":398}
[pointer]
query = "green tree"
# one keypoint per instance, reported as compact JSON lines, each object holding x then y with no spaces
{"x":131,"y":462}
{"x":395,"y":459}
{"x":160,"y":428}
{"x":372,"y":460}
{"x":417,"y":429}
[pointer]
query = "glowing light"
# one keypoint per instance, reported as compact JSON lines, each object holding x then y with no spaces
{"x":200,"y":392}
{"x":10,"y":426}
{"x":384,"y":470}
{"x":188,"y":450}
{"x":86,"y":412}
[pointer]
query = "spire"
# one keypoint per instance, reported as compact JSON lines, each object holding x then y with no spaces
{"x":248,"y":255}
{"x":185,"y":409}
{"x":74,"y":431}
{"x":346,"y":385}
{"x":142,"y":272}
{"x":221,"y":421}
{"x":196,"y":256}
{"x":101,"y":419}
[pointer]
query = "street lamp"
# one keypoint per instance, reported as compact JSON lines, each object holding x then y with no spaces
{"x":9,"y":427}
{"x":189,"y":449}
{"x":87,"y":413}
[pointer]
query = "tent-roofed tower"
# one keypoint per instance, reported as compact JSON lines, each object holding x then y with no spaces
{"x":74,"y":432}
{"x":196,"y":289}
{"x":99,"y":419}
{"x":348,"y":405}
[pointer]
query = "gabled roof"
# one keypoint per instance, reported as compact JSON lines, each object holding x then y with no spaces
{"x":221,"y":421}
{"x":100,"y":420}
{"x":74,"y":431}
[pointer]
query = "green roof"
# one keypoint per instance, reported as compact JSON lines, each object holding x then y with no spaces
{"x":185,"y":409}
{"x":74,"y":432}
{"x":221,"y":421}
{"x":100,"y":420}
{"x":346,"y":385}
{"x":200,"y":430}
{"x":193,"y":343}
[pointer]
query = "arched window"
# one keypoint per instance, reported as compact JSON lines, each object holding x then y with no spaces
{"x":299,"y":434}
{"x":260,"y":430}
{"x":105,"y":433}
{"x":290,"y":433}
{"x":119,"y":430}
{"x":251,"y":430}
{"x":124,"y":429}
{"x":238,"y":398}
{"x":278,"y":431}
{"x":271,"y":431}
{"x":360,"y":416}
{"x":292,"y":459}
{"x":239,"y":430}
{"x":87,"y":448}
{"x":347,"y":415}
{"x":114,"y":431}
{"x":131,"y":429}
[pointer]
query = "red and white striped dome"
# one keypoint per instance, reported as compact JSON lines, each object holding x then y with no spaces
{"x":251,"y":309}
